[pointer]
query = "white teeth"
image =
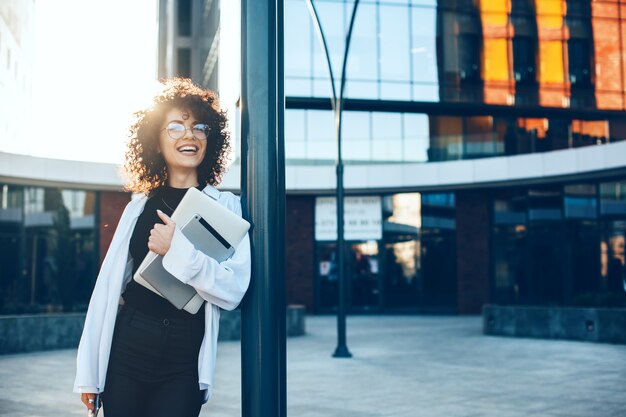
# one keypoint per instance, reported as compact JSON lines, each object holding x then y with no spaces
{"x":187,"y":149}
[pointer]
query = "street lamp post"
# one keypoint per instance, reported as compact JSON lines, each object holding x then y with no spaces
{"x":263,"y":335}
{"x":337,"y":103}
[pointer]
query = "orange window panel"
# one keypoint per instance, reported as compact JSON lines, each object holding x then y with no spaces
{"x":608,"y":40}
{"x":552,"y":72}
{"x":597,"y":128}
{"x":540,"y":125}
{"x":496,"y":53}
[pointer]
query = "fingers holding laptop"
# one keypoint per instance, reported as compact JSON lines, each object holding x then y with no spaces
{"x":161,"y":235}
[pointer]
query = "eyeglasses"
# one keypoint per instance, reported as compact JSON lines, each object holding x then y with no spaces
{"x":176,"y":130}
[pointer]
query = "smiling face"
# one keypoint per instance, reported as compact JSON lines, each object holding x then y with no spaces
{"x":182,"y":156}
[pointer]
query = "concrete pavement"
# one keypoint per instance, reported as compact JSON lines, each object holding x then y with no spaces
{"x":403,"y":366}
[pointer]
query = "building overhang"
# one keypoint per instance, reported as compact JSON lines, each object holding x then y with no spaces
{"x":601,"y":162}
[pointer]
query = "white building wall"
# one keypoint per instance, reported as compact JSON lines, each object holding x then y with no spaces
{"x":17,"y":54}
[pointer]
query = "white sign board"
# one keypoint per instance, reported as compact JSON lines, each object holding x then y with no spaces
{"x":362,"y":218}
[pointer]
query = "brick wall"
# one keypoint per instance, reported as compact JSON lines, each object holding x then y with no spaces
{"x":300,"y":251}
{"x":112,"y":204}
{"x":473,"y":243}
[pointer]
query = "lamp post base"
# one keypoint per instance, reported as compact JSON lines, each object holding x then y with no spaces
{"x":342,"y":352}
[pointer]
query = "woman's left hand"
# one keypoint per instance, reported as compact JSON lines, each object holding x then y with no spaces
{"x":161,"y":235}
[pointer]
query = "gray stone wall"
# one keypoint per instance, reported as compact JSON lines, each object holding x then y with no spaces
{"x":584,"y":324}
{"x":30,"y":333}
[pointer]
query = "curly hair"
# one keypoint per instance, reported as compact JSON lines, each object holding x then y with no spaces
{"x":145,"y":166}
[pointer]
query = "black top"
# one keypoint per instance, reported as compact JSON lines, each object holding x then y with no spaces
{"x":136,"y":295}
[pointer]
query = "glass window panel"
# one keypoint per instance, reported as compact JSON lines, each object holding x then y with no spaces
{"x":320,"y":135}
{"x":355,"y":135}
{"x":613,"y":199}
{"x":355,"y":126}
{"x":330,"y":15}
{"x":297,"y":87}
{"x":295,"y":150}
{"x":184,"y":17}
{"x":81,"y":208}
{"x":322,"y":88}
{"x":446,"y":138}
{"x":425,"y":92}
{"x":394,"y":2}
{"x":323,"y":149}
{"x":395,"y":91}
{"x":298,"y":26}
{"x":357,"y":151}
{"x":33,"y":200}
{"x":580,"y":201}
{"x":387,"y":136}
{"x":424,"y":51}
{"x":295,"y":129}
{"x":361,"y":89}
{"x":416,"y":137}
{"x":617,"y":130}
{"x":388,"y":151}
{"x":184,"y":62}
{"x":394,"y":44}
{"x":386,"y":126}
{"x":362,"y":62}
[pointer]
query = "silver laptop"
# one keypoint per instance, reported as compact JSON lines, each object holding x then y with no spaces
{"x":205,"y":239}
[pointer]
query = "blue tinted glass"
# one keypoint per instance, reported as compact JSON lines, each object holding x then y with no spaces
{"x":355,"y":135}
{"x":416,"y":137}
{"x":322,"y":88}
{"x":387,"y":136}
{"x":395,"y":91}
{"x":362,"y":62}
{"x":424,"y":53}
{"x":320,"y":142}
{"x":331,"y":19}
{"x":361,"y":89}
{"x":298,"y":41}
{"x":298,"y":87}
{"x":295,"y":128}
{"x":394,"y":44}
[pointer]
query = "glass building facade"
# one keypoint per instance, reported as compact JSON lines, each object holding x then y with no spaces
{"x":438,"y":80}
{"x":560,"y":245}
{"x":48,"y":248}
{"x":445,"y":80}
{"x":412,"y":268}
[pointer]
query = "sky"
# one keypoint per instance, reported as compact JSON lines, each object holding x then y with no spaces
{"x":95,"y":63}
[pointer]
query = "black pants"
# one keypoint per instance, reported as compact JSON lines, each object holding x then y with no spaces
{"x":153,"y":367}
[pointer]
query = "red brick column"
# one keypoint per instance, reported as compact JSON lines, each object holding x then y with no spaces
{"x":300,"y":251}
{"x":112,"y":204}
{"x":473,"y":250}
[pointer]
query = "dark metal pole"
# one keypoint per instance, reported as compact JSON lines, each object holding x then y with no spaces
{"x":263,"y":345}
{"x":341,"y":351}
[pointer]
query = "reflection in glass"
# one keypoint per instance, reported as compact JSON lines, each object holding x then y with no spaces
{"x":557,"y":53}
{"x":364,"y":272}
{"x":571,"y":256}
{"x":401,"y":252}
{"x":328,"y":276}
{"x":439,"y":255}
{"x":613,"y":240}
{"x":48,"y":242}
{"x":424,"y":75}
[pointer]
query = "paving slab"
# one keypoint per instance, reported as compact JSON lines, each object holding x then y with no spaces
{"x":403,"y":366}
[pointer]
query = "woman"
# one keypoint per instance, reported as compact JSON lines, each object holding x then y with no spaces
{"x":151,"y":358}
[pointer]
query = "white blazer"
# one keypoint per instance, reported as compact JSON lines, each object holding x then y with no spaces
{"x":222,"y":284}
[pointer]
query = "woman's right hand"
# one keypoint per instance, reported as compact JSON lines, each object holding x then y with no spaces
{"x":85,"y":397}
